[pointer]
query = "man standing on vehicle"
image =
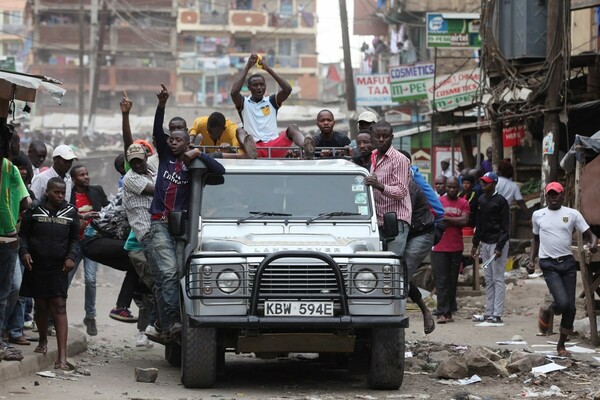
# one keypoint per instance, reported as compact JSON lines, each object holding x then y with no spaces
{"x":171,"y":194}
{"x":390,"y":176}
{"x":259,"y":113}
{"x":553,"y":228}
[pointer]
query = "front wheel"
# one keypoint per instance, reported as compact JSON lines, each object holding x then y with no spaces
{"x":199,"y":356}
{"x":386,"y":367}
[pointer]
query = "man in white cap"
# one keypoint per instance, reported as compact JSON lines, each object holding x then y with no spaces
{"x":62,"y":159}
{"x":366,"y":119}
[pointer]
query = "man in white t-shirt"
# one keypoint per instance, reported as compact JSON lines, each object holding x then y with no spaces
{"x":553,"y":228}
{"x":259,"y":113}
{"x":507,"y":188}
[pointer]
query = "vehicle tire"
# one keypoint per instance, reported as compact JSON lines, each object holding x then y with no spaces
{"x":199,"y":356}
{"x":173,"y":354}
{"x":386,"y":367}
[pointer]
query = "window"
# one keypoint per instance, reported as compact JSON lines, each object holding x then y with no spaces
{"x":243,"y":45}
{"x":286,"y":7}
{"x":243,"y":4}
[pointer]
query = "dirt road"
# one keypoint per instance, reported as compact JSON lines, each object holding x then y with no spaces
{"x":112,"y":357}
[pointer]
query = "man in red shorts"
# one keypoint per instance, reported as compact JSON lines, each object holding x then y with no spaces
{"x":259,"y":113}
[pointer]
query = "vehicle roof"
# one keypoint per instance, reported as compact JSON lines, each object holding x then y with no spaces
{"x":291,"y":165}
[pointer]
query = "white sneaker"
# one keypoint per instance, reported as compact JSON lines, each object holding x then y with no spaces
{"x":151,"y":330}
{"x":142,"y":341}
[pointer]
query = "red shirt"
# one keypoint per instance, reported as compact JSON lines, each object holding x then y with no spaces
{"x":83,"y":204}
{"x":452,"y":239}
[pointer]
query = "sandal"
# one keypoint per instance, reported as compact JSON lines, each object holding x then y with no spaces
{"x":63,"y":366}
{"x":12,"y":355}
{"x":41,"y":349}
{"x":545,"y":321}
{"x":564,"y":353}
{"x":428,"y":324}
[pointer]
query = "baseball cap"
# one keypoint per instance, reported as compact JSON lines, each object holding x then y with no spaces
{"x":135,"y":151}
{"x":65,"y":152}
{"x":490,"y":177}
{"x":557,"y":187}
{"x":367,"y":116}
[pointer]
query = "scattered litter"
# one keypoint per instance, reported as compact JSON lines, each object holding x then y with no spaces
{"x":596,"y":358}
{"x":460,"y":348}
{"x":566,"y":344}
{"x":408,"y":396}
{"x":462,"y":382}
{"x":415,"y":373}
{"x":512,"y":342}
{"x":365,"y":397}
{"x":555,"y":356}
{"x":582,"y":350}
{"x":491,"y":324}
{"x":543,"y":345}
{"x":53,"y":375}
{"x":553,"y":391}
{"x":408,"y":354}
{"x":544,"y":369}
{"x":534,"y":275}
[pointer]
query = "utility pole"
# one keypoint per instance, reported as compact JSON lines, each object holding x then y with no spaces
{"x":81,"y":69}
{"x":92,"y":59}
{"x":96,"y":77}
{"x":350,"y":90}
{"x":556,"y":27}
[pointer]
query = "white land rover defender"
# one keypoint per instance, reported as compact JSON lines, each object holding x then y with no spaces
{"x":285,"y":256}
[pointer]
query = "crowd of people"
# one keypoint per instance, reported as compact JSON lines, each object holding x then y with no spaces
{"x":53,"y":220}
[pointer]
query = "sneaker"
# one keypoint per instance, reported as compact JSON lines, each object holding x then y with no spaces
{"x":494,"y":320}
{"x":142,"y":341}
{"x":175,"y":329}
{"x":309,"y":148}
{"x":29,"y":325}
{"x":122,"y":314}
{"x":90,"y":324}
{"x":51,"y":331}
{"x":151,"y":331}
{"x":250,"y":147}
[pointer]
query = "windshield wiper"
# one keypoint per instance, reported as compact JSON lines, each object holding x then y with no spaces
{"x":260,"y":214}
{"x":331,"y":214}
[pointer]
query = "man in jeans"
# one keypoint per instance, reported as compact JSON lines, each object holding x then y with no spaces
{"x":553,"y":228}
{"x":390,"y":177}
{"x":492,"y":233}
{"x":171,"y":193}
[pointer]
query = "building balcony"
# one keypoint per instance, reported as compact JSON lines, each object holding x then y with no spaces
{"x":146,"y":5}
{"x":110,"y":78}
{"x":246,"y":20}
{"x":286,"y":65}
{"x":119,"y":38}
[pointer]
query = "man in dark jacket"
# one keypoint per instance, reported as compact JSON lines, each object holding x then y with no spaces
{"x":492,"y":233}
{"x":89,"y":200}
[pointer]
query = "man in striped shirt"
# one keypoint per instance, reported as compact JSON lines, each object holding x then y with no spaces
{"x":390,"y":175}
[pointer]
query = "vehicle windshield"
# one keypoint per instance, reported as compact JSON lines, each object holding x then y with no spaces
{"x":293,"y":196}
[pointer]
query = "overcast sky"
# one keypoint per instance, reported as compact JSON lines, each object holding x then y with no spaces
{"x":329,"y":32}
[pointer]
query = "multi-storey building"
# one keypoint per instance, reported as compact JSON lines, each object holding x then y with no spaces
{"x":13,"y":33}
{"x":217,"y":36}
{"x":135,"y":40}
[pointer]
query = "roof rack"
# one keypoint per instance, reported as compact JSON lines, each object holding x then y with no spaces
{"x":293,"y":152}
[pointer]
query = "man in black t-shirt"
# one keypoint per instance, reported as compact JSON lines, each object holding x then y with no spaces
{"x":327,"y":136}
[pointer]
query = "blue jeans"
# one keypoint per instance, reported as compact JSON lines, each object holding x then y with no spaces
{"x":164,"y":255}
{"x":15,"y":309}
{"x":561,"y":278}
{"x":8,"y":258}
{"x":90,"y":269}
{"x":398,"y":244}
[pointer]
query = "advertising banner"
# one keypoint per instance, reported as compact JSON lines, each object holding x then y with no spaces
{"x":373,"y":90}
{"x":512,"y":135}
{"x":453,"y":30}
{"x":453,"y":91}
{"x":407,"y":82}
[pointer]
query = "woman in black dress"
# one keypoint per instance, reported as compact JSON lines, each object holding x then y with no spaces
{"x":49,"y":245}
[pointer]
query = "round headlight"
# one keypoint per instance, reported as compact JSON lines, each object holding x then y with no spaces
{"x":228,"y":281}
{"x":365,"y":281}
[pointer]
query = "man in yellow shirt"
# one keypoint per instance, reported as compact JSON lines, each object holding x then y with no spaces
{"x":216,"y":131}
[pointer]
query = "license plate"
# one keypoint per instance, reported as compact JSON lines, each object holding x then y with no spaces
{"x":299,"y":308}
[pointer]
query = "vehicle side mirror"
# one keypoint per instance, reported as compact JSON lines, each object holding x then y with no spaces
{"x":176,"y":223}
{"x":390,"y":225}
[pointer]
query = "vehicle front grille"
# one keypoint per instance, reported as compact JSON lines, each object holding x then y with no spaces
{"x":298,"y":280}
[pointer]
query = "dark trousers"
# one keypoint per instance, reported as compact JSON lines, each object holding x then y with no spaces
{"x":561,"y":278}
{"x":445,"y":266}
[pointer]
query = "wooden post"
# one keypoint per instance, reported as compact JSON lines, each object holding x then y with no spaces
{"x":590,"y":303}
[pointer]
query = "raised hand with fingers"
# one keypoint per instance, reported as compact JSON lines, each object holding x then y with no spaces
{"x":125,"y":103}
{"x":163,"y":96}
